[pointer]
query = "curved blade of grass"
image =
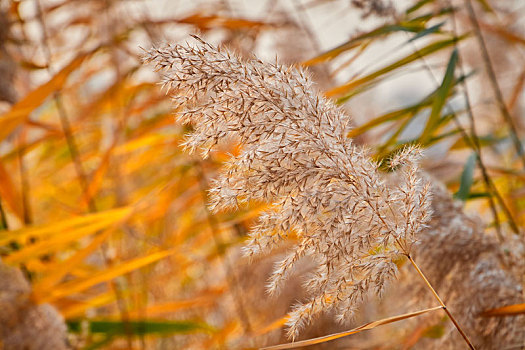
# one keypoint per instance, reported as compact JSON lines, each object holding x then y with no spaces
{"x":417,"y":6}
{"x":427,"y":50}
{"x":503,"y":32}
{"x":387,"y":154}
{"x":390,"y":116}
{"x":280,"y":322}
{"x":21,"y":110}
{"x":108,"y":274}
{"x":364,"y":327}
{"x":62,"y":268}
{"x":431,"y":30}
{"x":393,"y":139}
{"x":79,"y":308}
{"x":207,"y":22}
{"x":466,"y":178}
{"x":409,"y":111}
{"x":9,"y":193}
{"x":485,"y":5}
{"x":356,"y":41}
{"x":97,"y":220}
{"x":411,"y":25}
{"x":440,"y":100}
{"x":54,"y":243}
{"x":203,"y":299}
{"x":147,"y":140}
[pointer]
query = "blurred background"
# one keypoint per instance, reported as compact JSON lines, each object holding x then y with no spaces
{"x":104,"y":218}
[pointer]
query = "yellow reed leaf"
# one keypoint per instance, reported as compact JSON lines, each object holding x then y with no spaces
{"x":250,"y":214}
{"x":21,"y":110}
{"x":359,"y":82}
{"x":9,"y":194}
{"x":147,"y":140}
{"x":232,"y":330}
{"x":98,"y":176}
{"x":206,"y":299}
{"x":78,"y":285}
{"x":79,"y":308}
{"x":54,"y":243}
{"x":57,"y":271}
{"x":274,"y":325}
{"x":94,"y":221}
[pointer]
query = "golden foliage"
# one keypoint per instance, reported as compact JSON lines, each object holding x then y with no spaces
{"x":108,"y":218}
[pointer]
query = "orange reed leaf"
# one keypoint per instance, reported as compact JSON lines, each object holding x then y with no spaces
{"x":509,"y":310}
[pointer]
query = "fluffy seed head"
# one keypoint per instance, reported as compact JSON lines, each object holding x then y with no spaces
{"x":296,"y":157}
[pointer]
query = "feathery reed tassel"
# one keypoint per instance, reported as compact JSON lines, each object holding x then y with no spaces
{"x":297,"y":157}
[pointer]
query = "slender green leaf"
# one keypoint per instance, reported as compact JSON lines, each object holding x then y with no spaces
{"x":484,"y":141}
{"x":405,"y":112}
{"x":414,"y":25}
{"x":387,"y":154}
{"x":117,"y":327}
{"x":391,"y":116}
{"x":354,"y":42}
{"x":427,"y":50}
{"x":467,"y":178}
{"x":434,"y":29}
{"x":417,"y":6}
{"x":440,"y":100}
{"x":428,"y":16}
{"x":476,"y":195}
{"x":393,"y":139}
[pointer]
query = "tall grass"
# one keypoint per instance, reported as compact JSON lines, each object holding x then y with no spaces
{"x":376,"y":178}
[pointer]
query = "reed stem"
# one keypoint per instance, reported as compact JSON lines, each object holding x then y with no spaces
{"x":438,"y":298}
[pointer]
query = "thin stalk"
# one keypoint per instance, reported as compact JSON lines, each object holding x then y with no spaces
{"x":62,"y":113}
{"x":314,"y":40}
{"x":230,"y":275}
{"x":440,"y":301}
{"x":73,"y":150}
{"x":489,"y":186}
{"x":366,"y":326}
{"x":494,"y":82}
{"x":474,"y":143}
{"x":429,"y":285}
{"x":476,"y":146}
{"x":81,"y":174}
{"x":24,"y":182}
{"x":406,"y":252}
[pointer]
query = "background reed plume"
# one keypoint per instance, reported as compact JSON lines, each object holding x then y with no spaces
{"x":472,"y":272}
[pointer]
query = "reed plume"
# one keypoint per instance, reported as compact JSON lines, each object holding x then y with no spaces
{"x":26,"y":325}
{"x":297,"y":157}
{"x":471,"y":271}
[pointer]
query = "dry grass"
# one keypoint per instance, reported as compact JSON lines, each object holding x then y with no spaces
{"x":108,"y":223}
